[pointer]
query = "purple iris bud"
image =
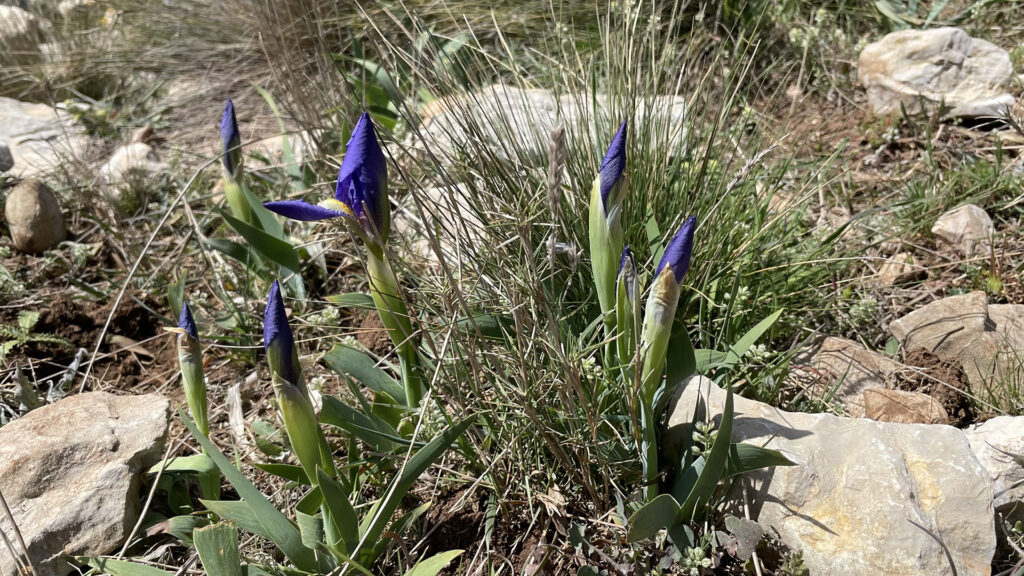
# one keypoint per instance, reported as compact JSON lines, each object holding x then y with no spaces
{"x":186,"y":323}
{"x":680,"y":248}
{"x":230,"y":137}
{"x":363,"y":178}
{"x":277,"y":337}
{"x":613,"y":165}
{"x":361,"y":191}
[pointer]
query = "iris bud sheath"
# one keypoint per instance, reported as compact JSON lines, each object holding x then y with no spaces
{"x":190,"y":358}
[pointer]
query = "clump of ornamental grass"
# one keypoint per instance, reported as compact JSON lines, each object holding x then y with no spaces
{"x":510,"y":303}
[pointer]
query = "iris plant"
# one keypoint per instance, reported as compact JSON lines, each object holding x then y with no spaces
{"x":662,"y":302}
{"x":290,"y":389}
{"x":190,"y":357}
{"x":361,"y":194}
{"x":300,"y":422}
{"x":657,"y":329}
{"x":606,"y":198}
{"x":361,"y":201}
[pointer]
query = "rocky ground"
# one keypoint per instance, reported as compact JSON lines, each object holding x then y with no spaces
{"x":916,"y":443}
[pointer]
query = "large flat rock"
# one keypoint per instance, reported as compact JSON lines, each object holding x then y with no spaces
{"x":999,"y":446}
{"x":515,"y":123}
{"x":986,"y":340}
{"x":40,"y":138}
{"x":858,"y":485}
{"x":924,"y":69}
{"x":70,"y":474}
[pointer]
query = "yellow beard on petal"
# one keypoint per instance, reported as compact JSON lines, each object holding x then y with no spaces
{"x":337,"y":205}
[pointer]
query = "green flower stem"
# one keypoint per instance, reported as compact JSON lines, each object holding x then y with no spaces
{"x":395,"y":316}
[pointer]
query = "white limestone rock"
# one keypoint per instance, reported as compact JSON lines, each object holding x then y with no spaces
{"x":966,"y":227}
{"x":970,"y":76}
{"x":507,"y":118}
{"x":39,"y":137}
{"x":20,"y":33}
{"x":70,"y":474}
{"x":999,"y":446}
{"x":849,"y":502}
{"x":986,"y":340}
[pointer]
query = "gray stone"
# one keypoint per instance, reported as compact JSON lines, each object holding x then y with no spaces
{"x":846,"y":370}
{"x":129,"y":174}
{"x":898,"y":269}
{"x":1007,"y":320}
{"x":971,"y":77}
{"x":999,"y":446}
{"x":505,"y":118}
{"x":132,"y":161}
{"x":39,"y":137}
{"x":903,"y":407}
{"x":82,"y":13}
{"x":944,"y":327}
{"x":849,"y":502}
{"x":34,"y":217}
{"x":70,"y":474}
{"x":967,"y":227}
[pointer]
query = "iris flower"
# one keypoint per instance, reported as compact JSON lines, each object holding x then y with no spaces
{"x":610,"y":174}
{"x":361,"y":191}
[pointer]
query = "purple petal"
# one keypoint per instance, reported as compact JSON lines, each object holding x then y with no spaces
{"x":627,"y":258}
{"x":186,"y":323}
{"x":230,"y":137}
{"x":362,"y":179}
{"x":300,"y":210}
{"x":614,"y":164}
{"x":677,"y":253}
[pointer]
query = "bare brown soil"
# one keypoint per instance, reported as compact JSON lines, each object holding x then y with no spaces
{"x":943,"y":380}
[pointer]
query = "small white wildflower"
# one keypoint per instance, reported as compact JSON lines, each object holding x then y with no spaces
{"x":591,"y":368}
{"x":328,"y":316}
{"x":798,"y":37}
{"x":891,"y":134}
{"x":317,"y":382}
{"x":757,"y":353}
{"x":742,"y":293}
